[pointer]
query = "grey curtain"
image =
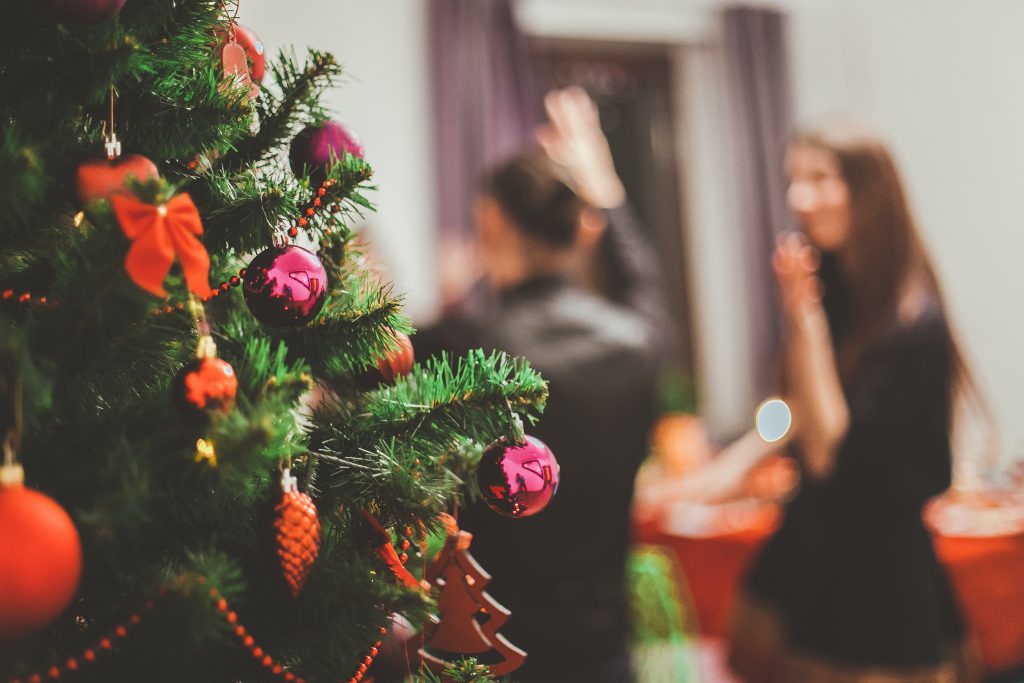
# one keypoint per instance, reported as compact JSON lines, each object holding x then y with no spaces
{"x":485,"y":105}
{"x":761,"y":120}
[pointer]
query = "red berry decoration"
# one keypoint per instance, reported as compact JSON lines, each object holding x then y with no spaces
{"x":285,"y":286}
{"x":298,"y":533}
{"x":103,"y":178}
{"x":398,"y":362}
{"x":205,"y":384}
{"x":40,"y":556}
{"x":85,"y":11}
{"x":313,"y":148}
{"x":518,"y":480}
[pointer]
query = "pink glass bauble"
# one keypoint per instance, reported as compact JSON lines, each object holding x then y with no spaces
{"x":518,"y":480}
{"x":312,"y":148}
{"x":85,"y":11}
{"x":285,"y":286}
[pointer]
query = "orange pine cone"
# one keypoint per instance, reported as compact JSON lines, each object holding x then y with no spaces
{"x":298,"y":533}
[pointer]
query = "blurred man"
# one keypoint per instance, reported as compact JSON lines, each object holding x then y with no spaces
{"x":543,"y":217}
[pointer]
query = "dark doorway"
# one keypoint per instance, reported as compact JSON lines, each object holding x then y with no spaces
{"x":631,"y":84}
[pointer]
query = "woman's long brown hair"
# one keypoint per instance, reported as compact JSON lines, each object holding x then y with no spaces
{"x":886,"y":270}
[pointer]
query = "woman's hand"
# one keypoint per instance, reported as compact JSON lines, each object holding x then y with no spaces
{"x":574,"y":140}
{"x":796,"y":267}
{"x":820,"y":413}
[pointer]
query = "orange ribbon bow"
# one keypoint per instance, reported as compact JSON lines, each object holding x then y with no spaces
{"x":158,"y":234}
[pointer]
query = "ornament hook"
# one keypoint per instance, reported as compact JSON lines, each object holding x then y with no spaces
{"x":110,"y":142}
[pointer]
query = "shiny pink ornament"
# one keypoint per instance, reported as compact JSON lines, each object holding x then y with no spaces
{"x":285,"y":286}
{"x":312,"y":148}
{"x":518,"y":480}
{"x":85,"y":11}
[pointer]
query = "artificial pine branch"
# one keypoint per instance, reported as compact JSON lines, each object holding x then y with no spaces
{"x":300,"y":91}
{"x":165,"y":503}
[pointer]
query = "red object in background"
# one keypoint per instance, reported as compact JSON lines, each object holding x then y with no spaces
{"x":397,"y":363}
{"x":986,"y":572}
{"x":254,"y":50}
{"x":102,"y":178}
{"x":714,"y":565}
{"x":40,"y":560}
{"x":980,"y":540}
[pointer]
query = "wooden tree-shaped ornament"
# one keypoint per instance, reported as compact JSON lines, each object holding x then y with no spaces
{"x":470,"y":618}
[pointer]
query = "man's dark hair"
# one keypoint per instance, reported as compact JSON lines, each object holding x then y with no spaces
{"x":535,"y":194}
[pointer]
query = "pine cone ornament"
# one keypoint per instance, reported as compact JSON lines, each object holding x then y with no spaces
{"x":298,"y":533}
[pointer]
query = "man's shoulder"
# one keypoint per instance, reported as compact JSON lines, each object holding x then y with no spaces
{"x":574,"y":323}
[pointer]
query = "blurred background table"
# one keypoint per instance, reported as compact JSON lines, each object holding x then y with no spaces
{"x":981,"y":544}
{"x":979,"y":539}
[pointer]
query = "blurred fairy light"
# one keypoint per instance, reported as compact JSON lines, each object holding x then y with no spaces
{"x":773,"y":419}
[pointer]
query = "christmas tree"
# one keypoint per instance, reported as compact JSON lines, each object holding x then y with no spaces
{"x":200,"y":376}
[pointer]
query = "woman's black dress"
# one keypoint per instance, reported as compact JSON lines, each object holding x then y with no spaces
{"x":852,"y":572}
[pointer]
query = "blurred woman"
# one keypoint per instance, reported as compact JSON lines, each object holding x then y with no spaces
{"x":849,"y":588}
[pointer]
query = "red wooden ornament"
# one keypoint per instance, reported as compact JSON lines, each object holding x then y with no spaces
{"x":40,"y":557}
{"x":470,"y":618}
{"x":298,"y":533}
{"x":397,"y":362}
{"x":104,"y":178}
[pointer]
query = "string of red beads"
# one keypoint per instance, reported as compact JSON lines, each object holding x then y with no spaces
{"x":367,"y":660}
{"x":309,"y":211}
{"x":24,"y":298}
{"x":89,"y":654}
{"x":120,"y":632}
{"x":268,"y":662}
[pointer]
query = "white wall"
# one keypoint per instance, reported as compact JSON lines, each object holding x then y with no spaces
{"x":385,"y":99}
{"x":941,"y":79}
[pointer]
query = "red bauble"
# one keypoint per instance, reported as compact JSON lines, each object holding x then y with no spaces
{"x":397,"y":363}
{"x":85,"y":11}
{"x":313,"y":147}
{"x":40,"y":559}
{"x":102,"y":178}
{"x":518,"y":480}
{"x":285,"y":286}
{"x":254,"y":50}
{"x":298,"y":533}
{"x":204,"y":385}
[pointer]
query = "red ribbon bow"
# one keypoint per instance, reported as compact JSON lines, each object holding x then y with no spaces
{"x":158,"y":234}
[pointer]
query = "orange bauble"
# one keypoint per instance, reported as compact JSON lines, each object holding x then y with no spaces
{"x":397,"y":363}
{"x":102,"y":178}
{"x":40,"y":559}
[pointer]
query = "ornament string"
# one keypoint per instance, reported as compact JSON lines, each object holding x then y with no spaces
{"x":110,"y":141}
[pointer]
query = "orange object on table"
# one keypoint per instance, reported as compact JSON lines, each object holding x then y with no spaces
{"x":985,"y":563}
{"x":714,"y":564}
{"x":980,"y":541}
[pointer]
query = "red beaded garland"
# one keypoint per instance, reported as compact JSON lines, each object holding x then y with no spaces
{"x":235,"y":280}
{"x":88,"y":655}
